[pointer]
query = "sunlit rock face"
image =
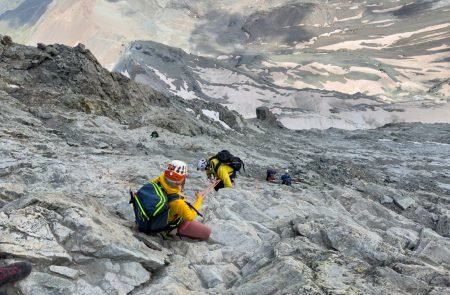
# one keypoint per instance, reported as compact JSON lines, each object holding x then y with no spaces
{"x":388,"y":61}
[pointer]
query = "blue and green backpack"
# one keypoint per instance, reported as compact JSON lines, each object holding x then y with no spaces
{"x":151,"y":209}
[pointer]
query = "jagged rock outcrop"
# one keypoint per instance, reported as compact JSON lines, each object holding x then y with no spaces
{"x":57,"y":76}
{"x":65,"y":172}
{"x":264,"y":114}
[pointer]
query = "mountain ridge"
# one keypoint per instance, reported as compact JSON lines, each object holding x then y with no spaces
{"x":393,"y":50}
{"x":173,"y":71}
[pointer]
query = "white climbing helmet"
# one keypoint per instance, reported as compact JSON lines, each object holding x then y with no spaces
{"x":202,"y":164}
{"x":175,"y":173}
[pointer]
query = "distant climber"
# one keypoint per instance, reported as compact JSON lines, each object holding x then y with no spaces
{"x":14,"y":272}
{"x":160,"y":206}
{"x":223,"y":166}
{"x":286,"y":178}
{"x":154,"y":134}
{"x":270,"y":175}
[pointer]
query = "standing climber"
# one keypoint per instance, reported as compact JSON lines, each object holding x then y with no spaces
{"x":223,"y":166}
{"x":286,"y":178}
{"x":270,"y":175}
{"x":179,"y":215}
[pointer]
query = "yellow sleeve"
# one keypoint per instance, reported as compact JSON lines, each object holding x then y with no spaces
{"x":179,"y":208}
{"x":198,"y":202}
{"x":224,"y":174}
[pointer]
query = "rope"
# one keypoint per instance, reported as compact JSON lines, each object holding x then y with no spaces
{"x":210,"y":187}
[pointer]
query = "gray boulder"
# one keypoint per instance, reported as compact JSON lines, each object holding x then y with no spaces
{"x":443,"y":225}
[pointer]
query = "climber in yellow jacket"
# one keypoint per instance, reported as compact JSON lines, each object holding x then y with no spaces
{"x":172,"y":181}
{"x":224,"y":172}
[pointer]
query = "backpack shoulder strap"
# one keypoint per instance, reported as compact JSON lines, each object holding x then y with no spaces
{"x":193,"y":208}
{"x":214,"y":166}
{"x":173,"y":197}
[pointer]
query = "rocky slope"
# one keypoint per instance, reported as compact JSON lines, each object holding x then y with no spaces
{"x":369,"y":215}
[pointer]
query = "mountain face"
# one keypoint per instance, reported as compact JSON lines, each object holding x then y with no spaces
{"x":368,"y":214}
{"x":173,"y":71}
{"x":320,"y":64}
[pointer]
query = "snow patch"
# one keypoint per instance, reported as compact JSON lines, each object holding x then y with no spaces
{"x":443,"y":46}
{"x":324,"y":69}
{"x":359,"y":16}
{"x":365,"y":119}
{"x":13,"y":86}
{"x":383,"y":21}
{"x":385,"y":25}
{"x":382,"y":42}
{"x":164,"y":78}
{"x":443,"y":185}
{"x":185,"y":93}
{"x":389,"y":9}
{"x":182,"y":91}
{"x":215,"y":116}
{"x":303,"y":45}
{"x":126,"y":74}
{"x":331,"y":33}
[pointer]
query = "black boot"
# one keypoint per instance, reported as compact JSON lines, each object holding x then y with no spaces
{"x":14,"y":272}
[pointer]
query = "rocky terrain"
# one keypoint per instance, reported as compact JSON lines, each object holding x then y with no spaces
{"x":369,"y":213}
{"x":316,"y":64}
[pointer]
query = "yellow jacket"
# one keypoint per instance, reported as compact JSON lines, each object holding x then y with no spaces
{"x":178,"y":208}
{"x":223,"y":173}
